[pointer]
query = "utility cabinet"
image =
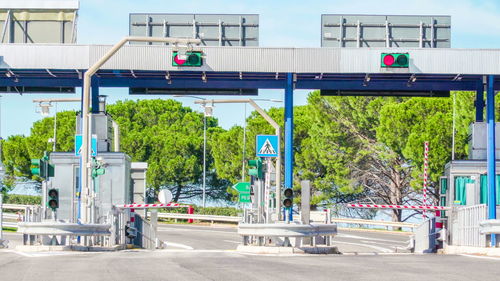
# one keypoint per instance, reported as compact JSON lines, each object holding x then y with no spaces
{"x":114,"y":187}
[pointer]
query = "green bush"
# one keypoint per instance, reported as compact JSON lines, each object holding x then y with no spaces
{"x":217,"y":211}
{"x":22,"y":199}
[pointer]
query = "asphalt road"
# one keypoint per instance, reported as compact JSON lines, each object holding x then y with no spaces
{"x":207,"y":253}
{"x":226,"y":238}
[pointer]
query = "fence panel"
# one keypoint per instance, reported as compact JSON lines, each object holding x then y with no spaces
{"x":466,"y":230}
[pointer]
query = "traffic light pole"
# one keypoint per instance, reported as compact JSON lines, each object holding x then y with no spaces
{"x":86,"y":134}
{"x":277,"y":130}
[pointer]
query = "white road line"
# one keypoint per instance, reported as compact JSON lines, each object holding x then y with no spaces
{"x":481,"y":257}
{"x":178,"y":245}
{"x":382,"y":249}
{"x":342,"y":235}
{"x":230,"y":241}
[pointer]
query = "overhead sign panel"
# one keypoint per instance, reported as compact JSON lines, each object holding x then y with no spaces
{"x":212,"y":29}
{"x":193,"y":91}
{"x":391,"y":31}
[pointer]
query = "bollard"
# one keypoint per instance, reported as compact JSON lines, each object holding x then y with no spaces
{"x":190,"y":212}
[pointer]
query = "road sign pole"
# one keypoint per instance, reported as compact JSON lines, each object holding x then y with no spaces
{"x":490,"y":112}
{"x":289,"y":131}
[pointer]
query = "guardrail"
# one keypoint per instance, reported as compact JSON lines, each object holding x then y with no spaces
{"x":16,"y":206}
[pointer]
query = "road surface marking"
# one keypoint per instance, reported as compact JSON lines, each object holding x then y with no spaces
{"x":382,"y":249}
{"x":178,"y":245}
{"x":230,"y":241}
{"x":342,"y":235}
{"x":199,"y":230}
{"x":481,"y":257}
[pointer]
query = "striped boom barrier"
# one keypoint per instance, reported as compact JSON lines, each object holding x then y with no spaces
{"x":431,"y":208}
{"x":143,"y":206}
{"x":426,"y":168}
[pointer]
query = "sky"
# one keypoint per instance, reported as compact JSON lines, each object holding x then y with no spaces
{"x":288,"y":23}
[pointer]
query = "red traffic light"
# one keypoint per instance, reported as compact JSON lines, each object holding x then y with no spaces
{"x":389,"y":60}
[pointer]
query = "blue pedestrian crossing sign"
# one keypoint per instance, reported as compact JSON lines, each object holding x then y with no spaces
{"x":78,"y":145}
{"x":267,"y":146}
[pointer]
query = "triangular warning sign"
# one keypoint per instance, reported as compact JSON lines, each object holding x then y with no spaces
{"x":267,"y":148}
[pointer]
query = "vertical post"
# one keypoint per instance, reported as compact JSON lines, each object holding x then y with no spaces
{"x":204,"y":159}
{"x":289,"y":134}
{"x":490,"y":112}
{"x":1,"y":219}
{"x":54,"y":141}
{"x":479,"y":103}
{"x":190,"y":212}
{"x":95,"y":95}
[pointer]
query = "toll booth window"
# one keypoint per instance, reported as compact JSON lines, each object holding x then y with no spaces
{"x":483,"y":196}
{"x":460,"y":191}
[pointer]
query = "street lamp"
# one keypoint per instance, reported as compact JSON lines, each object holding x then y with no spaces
{"x":208,"y":109}
{"x":45,"y":105}
{"x":272,"y":123}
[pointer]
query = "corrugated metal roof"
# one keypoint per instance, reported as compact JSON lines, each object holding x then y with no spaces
{"x":252,"y":59}
{"x":38,"y":4}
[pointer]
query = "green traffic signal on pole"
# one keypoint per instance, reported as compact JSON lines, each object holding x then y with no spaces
{"x":193,"y":59}
{"x":255,"y":168}
{"x":395,"y":60}
{"x":53,"y":199}
{"x":98,"y":172}
{"x":35,"y":166}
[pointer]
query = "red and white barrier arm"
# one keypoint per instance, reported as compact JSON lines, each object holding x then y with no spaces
{"x":143,"y":206}
{"x":397,"y":207}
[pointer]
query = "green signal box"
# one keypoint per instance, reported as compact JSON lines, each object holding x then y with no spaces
{"x":255,"y":168}
{"x":191,"y":59}
{"x":395,"y":60}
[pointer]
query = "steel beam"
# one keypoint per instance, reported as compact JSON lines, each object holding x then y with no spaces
{"x":479,"y":103}
{"x":95,"y":95}
{"x":289,"y":134}
{"x":490,"y":112}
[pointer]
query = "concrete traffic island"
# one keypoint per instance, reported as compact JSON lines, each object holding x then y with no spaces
{"x":287,"y":238}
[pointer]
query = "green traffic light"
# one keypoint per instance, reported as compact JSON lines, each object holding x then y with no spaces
{"x":255,"y":168}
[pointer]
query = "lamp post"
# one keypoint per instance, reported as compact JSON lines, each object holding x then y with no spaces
{"x":273,"y":123}
{"x":45,"y":105}
{"x":207,"y":113}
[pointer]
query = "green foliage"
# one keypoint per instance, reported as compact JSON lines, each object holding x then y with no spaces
{"x":405,"y":126}
{"x":216,"y":211}
{"x":169,"y":137}
{"x":22,"y":199}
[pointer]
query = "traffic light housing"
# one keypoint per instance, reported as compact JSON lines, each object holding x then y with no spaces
{"x":255,"y":168}
{"x":36,"y":167}
{"x":42,"y":168}
{"x":192,"y":59}
{"x":53,"y":199}
{"x":97,"y":168}
{"x":288,"y":197}
{"x":395,"y":60}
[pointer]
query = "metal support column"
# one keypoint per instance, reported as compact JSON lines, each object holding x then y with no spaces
{"x":289,"y":134}
{"x":479,"y":103}
{"x":490,"y":112}
{"x":95,"y":95}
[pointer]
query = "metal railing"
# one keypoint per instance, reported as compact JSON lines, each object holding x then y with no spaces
{"x":146,"y":232}
{"x":424,"y":236}
{"x":465,"y":226}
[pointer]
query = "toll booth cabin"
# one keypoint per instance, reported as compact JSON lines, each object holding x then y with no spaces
{"x":465,"y":184}
{"x":465,"y":181}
